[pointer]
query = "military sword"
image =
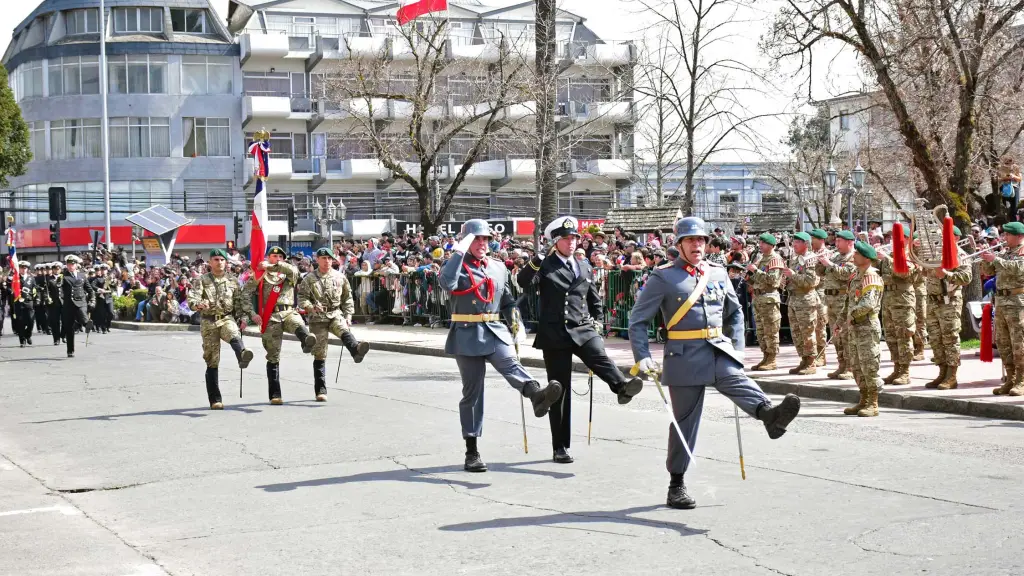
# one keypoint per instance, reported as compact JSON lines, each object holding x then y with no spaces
{"x":522,"y":405}
{"x":590,"y":419}
{"x":739,"y":440}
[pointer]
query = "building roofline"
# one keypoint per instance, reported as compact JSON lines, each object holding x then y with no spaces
{"x":852,"y":95}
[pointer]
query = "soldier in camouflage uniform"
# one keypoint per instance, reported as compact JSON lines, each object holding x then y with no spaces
{"x":920,"y":312}
{"x":274,"y":293}
{"x":818,"y":238}
{"x":898,"y":317}
{"x":764,"y":279}
{"x":836,"y":273}
{"x":216,"y":296}
{"x":1009,"y":302}
{"x":803,"y":303}
{"x":326,"y":297}
{"x":945,"y":305}
{"x":863,"y":330}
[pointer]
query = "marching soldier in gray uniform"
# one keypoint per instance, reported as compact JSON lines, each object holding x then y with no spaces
{"x":479,"y":294}
{"x":704,"y":348}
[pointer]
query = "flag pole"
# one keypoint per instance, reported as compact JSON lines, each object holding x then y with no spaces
{"x":105,"y":126}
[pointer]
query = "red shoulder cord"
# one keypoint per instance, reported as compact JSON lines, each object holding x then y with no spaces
{"x":474,"y":287}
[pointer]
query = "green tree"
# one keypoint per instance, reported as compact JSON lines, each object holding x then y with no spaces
{"x":14,"y":146}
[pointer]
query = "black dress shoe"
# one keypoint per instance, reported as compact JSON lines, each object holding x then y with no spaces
{"x":71,"y":354}
{"x":29,"y":341}
{"x":562,"y":456}
{"x":474,"y":463}
{"x":776,"y":418}
{"x":543,"y":398}
{"x":631,"y":388}
{"x":679,"y":499}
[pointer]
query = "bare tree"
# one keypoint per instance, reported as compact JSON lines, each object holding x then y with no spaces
{"x":811,"y":147}
{"x":426,"y":117}
{"x":660,"y":129}
{"x":707,"y":89}
{"x":935,"y":61}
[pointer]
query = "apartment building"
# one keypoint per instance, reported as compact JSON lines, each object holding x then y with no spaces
{"x":174,"y":114}
{"x":289,"y":49}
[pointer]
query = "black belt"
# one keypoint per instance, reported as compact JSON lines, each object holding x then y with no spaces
{"x":215,"y":317}
{"x":835,"y":292}
{"x":763,"y":292}
{"x":282,"y":307}
{"x":1010,"y":292}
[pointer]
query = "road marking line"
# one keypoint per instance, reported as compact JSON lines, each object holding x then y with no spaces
{"x":65,"y":510}
{"x":148,"y":570}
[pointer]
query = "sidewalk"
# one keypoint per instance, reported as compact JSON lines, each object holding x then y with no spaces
{"x":973,"y":397}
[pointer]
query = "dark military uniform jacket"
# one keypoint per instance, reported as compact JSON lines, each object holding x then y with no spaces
{"x":76,"y":290}
{"x":29,"y":292}
{"x":568,"y":303}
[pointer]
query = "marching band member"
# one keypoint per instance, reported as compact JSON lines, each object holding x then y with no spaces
{"x":803,"y":303}
{"x":861,"y":329}
{"x":765,"y":278}
{"x":836,"y":273}
{"x":1009,"y":303}
{"x":899,"y":301}
{"x":945,"y":306}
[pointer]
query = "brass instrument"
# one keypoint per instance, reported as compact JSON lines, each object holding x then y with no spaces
{"x":992,"y":248}
{"x":927,"y":226}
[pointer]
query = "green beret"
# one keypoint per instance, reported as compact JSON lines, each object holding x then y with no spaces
{"x":324,"y":252}
{"x":845,"y":235}
{"x":819,"y":234}
{"x":1015,"y":228}
{"x":865,"y":250}
{"x":906,"y":231}
{"x":768,"y":239}
{"x":956,"y":231}
{"x":802,"y":236}
{"x":277,"y":250}
{"x":219,"y":252}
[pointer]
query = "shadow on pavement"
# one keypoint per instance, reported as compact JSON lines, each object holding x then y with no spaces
{"x":198,"y":412}
{"x":598,"y":516}
{"x":421,"y":475}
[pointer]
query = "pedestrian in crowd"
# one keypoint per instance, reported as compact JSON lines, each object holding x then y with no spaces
{"x":570,"y":324}
{"x":803,"y":304}
{"x":765,"y":277}
{"x":704,"y":348}
{"x":898,"y":316}
{"x":860,"y":314}
{"x":836,"y":272}
{"x":1008,"y":269}
{"x":479,"y":295}
{"x":945,"y":306}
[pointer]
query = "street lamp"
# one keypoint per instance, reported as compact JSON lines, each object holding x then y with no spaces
{"x":857,"y":179}
{"x":830,"y":178}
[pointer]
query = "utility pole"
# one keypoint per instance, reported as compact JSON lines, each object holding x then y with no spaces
{"x":547,"y":135}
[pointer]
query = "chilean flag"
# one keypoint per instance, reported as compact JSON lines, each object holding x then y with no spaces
{"x":13,"y":260}
{"x":257,"y":237}
{"x":418,"y":8}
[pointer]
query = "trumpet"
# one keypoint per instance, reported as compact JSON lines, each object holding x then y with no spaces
{"x":992,"y":248}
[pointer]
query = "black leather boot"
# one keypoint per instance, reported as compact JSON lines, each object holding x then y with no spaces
{"x":776,"y":418}
{"x":677,"y":496}
{"x":213,"y":389}
{"x":274,"y":382}
{"x":542,"y":398}
{"x":243,"y":355}
{"x":626,"y":390}
{"x":308,"y":340}
{"x":320,"y":380}
{"x":473,"y":461}
{"x":356,"y":348}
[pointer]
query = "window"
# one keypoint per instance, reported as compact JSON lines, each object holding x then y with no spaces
{"x":80,"y":138}
{"x":74,"y":75}
{"x":844,"y":120}
{"x":138,"y":20}
{"x":81,"y":22}
{"x":206,"y":137}
{"x":37,"y":139}
{"x":205,"y":75}
{"x":188,"y":21}
{"x":137,"y":74}
{"x":128,"y":197}
{"x":32,"y":79}
{"x":266,"y":84}
{"x":140,"y":137}
{"x":208,"y":197}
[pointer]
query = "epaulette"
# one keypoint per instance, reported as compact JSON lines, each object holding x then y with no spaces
{"x":665,"y":265}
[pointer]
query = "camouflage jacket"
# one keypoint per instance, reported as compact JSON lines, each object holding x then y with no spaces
{"x":282,"y":275}
{"x":864,"y":297}
{"x":1009,"y":271}
{"x":765,"y":281}
{"x":331,"y":291}
{"x":221,"y":294}
{"x":950,"y":285}
{"x":836,"y":276}
{"x":900,"y":289}
{"x":804,"y":281}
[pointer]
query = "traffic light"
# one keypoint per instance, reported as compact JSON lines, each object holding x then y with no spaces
{"x":291,"y":219}
{"x":54,"y":233}
{"x":58,"y":203}
{"x":231,"y":244}
{"x":238,"y":226}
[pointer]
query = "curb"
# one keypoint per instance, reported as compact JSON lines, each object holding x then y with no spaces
{"x":844,"y":395}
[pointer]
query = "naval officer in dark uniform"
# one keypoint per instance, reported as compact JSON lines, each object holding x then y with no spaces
{"x":569,"y":309}
{"x":76,"y":294}
{"x":23,"y":308}
{"x":479,"y":296}
{"x":704,"y":348}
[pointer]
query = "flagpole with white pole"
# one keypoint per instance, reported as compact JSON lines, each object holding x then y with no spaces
{"x":104,"y":127}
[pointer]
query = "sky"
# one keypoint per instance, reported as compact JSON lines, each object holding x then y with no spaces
{"x":835,"y":72}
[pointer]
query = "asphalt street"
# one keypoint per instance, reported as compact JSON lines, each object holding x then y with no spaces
{"x":112,"y":464}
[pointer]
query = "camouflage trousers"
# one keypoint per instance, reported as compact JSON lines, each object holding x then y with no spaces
{"x":835,"y":308}
{"x":1009,"y":335}
{"x":820,"y":323}
{"x":287,"y":320}
{"x":767,"y":321}
{"x":803,"y":326}
{"x":336,"y":326}
{"x":921,"y":312}
{"x":944,"y":329}
{"x":213,"y":331}
{"x":899,"y":323}
{"x":863,"y":351}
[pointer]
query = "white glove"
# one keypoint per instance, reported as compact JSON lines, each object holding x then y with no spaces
{"x":648,"y":365}
{"x":463,"y":245}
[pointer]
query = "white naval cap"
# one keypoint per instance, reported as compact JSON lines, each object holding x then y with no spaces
{"x":561,"y":227}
